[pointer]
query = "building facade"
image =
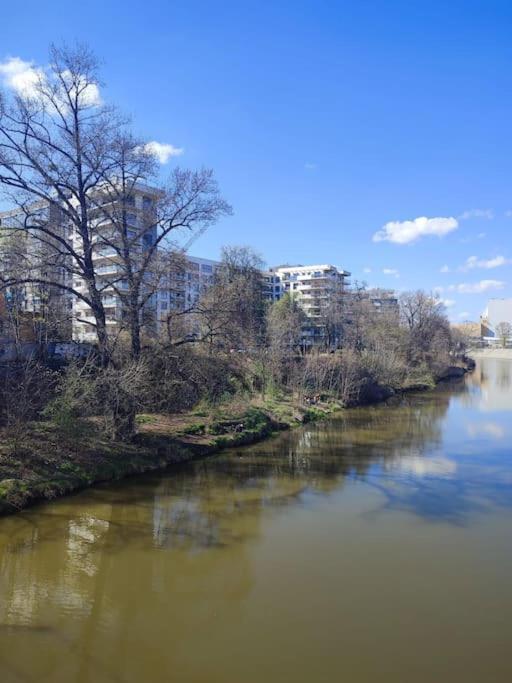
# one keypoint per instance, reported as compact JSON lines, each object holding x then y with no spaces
{"x":43,"y":303}
{"x":188,"y":278}
{"x":177,"y":281}
{"x":497,"y":311}
{"x":109,"y":265}
{"x":320,"y":290}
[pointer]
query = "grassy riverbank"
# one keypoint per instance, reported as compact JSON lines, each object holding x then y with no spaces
{"x":50,"y":462}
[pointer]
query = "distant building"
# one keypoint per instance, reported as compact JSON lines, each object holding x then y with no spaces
{"x":188,"y":278}
{"x":319,"y":290}
{"x":271,"y":286}
{"x":385,"y":302}
{"x":44,"y":308}
{"x":497,"y":311}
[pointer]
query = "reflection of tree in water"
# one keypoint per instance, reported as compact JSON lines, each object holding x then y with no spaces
{"x":202,"y":504}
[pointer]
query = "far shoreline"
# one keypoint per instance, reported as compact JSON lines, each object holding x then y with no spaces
{"x":497,"y":354}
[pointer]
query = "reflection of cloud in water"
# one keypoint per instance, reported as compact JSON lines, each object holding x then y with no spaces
{"x":492,"y":429}
{"x":422,"y":466}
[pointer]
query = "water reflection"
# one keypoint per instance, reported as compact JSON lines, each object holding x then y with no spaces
{"x":491,"y":384}
{"x":175,"y":568}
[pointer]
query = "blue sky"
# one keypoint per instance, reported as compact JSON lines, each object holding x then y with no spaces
{"x":332,"y":126}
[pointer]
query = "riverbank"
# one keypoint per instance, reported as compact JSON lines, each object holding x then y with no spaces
{"x":48,"y":462}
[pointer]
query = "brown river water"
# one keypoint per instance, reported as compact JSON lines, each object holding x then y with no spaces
{"x":374,"y":547}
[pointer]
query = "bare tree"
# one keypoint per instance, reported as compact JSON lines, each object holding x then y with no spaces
{"x":424,"y":317}
{"x":63,"y":151}
{"x":141,"y":220}
{"x":55,"y":152}
{"x":504,"y":332}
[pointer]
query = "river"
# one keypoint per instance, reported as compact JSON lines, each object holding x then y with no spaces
{"x":374,"y":547}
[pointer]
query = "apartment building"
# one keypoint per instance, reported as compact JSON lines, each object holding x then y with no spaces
{"x":24,"y":254}
{"x":188,"y":278}
{"x":271,"y":286}
{"x":319,"y":289}
{"x":43,"y":258}
{"x":176,"y":284}
{"x":385,"y":302}
{"x":110,"y":269}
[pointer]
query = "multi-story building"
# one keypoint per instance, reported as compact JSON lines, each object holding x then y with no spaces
{"x":188,"y":278}
{"x":385,"y":301}
{"x":44,"y":258}
{"x":109,"y":265}
{"x":320,"y":291}
{"x":497,"y":311}
{"x":271,"y":286}
{"x":35,"y":256}
{"x":175,"y":285}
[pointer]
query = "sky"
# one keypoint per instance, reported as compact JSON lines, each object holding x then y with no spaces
{"x":373,"y":135}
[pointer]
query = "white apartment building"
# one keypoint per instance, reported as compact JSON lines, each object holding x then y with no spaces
{"x":185,"y":284}
{"x":497,"y":311}
{"x":315,"y":287}
{"x":22,"y":253}
{"x":109,"y":267}
{"x":271,"y":284}
{"x":108,"y":263}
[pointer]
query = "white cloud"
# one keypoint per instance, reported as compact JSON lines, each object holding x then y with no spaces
{"x":404,"y":232}
{"x":90,"y":95}
{"x":444,"y":269}
{"x":23,"y":77}
{"x":493,"y":429}
{"x":163,"y":152}
{"x":488,"y":214}
{"x":422,"y":466}
{"x":508,"y":213}
{"x":476,"y":287}
{"x":20,"y":76}
{"x":464,"y":315}
{"x":367,"y":270}
{"x":473,"y":262}
{"x":447,"y":302}
{"x":391,"y":271}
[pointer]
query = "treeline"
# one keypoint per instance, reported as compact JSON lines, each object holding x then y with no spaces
{"x":232,"y":344}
